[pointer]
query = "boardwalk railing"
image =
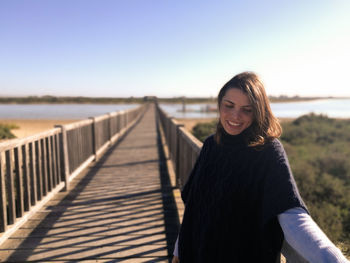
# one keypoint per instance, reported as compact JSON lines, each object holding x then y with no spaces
{"x":34,"y":168}
{"x":183,"y":147}
{"x":184,"y":150}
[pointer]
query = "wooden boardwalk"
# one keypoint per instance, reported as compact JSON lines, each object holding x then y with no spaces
{"x":121,"y":209}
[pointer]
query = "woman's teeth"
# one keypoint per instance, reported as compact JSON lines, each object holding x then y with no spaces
{"x":233,"y":123}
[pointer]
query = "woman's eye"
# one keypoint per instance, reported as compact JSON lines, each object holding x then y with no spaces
{"x":247,"y":110}
{"x":229,"y":106}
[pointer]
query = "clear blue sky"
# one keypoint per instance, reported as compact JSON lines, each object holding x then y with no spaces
{"x":172,"y":47}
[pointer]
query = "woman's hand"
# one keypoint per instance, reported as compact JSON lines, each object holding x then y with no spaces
{"x":175,"y":260}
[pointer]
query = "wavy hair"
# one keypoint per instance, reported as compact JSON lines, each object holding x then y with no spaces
{"x":265,"y":125}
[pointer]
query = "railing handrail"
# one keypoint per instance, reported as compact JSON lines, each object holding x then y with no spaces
{"x":76,"y":124}
{"x":184,"y":148}
{"x":17,"y":142}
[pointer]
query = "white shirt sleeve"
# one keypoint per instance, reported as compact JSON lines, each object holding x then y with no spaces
{"x":303,"y":234}
{"x":176,"y":247}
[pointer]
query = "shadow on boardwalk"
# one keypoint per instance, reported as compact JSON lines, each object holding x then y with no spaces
{"x":121,"y":210}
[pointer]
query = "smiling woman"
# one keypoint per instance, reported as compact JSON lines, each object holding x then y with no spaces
{"x":241,"y":198}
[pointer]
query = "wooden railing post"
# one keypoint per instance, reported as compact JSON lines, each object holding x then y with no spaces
{"x":38,"y":169}
{"x":64,"y":156}
{"x":177,"y":157}
{"x":94,"y":137}
{"x":19,"y":181}
{"x":110,"y":128}
{"x":32,"y":173}
{"x":3,"y":205}
{"x":26,"y":179}
{"x":44,"y":167}
{"x":10,"y":189}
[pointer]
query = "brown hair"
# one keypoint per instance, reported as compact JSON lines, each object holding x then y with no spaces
{"x":265,"y":126}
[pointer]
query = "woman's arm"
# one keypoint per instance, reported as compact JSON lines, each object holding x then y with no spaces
{"x":303,"y":234}
{"x":176,"y":247}
{"x":176,"y":252}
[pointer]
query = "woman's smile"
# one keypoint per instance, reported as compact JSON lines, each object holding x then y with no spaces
{"x":236,"y":112}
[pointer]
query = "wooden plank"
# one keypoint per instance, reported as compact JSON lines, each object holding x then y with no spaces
{"x":190,"y":139}
{"x":3,"y":206}
{"x":49,"y":164}
{"x":64,"y":156}
{"x":38,"y":166}
{"x":26,"y":178}
{"x":177,"y":156}
{"x":32,"y":174}
{"x":74,"y":149}
{"x":54,"y":161}
{"x":75,"y":125}
{"x":10,"y":189}
{"x":58,"y":158}
{"x":101,"y":117}
{"x":94,"y":136}
{"x":19,"y":182}
{"x":44,"y":166}
{"x":82,"y":139}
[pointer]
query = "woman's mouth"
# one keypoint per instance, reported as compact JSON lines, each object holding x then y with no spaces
{"x":234,"y":124}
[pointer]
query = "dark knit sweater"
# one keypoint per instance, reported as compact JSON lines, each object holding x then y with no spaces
{"x":232,"y":199}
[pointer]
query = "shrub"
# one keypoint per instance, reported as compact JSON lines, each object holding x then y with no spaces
{"x":203,"y":130}
{"x":5,"y":131}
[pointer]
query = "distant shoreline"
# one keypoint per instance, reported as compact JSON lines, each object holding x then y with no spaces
{"x":138,"y":100}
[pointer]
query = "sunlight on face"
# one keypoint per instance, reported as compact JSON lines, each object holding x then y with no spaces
{"x":236,"y":112}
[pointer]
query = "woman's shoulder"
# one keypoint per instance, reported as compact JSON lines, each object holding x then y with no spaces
{"x":209,"y":142}
{"x":274,"y":148}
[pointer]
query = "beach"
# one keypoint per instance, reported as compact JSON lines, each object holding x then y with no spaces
{"x":27,"y":127}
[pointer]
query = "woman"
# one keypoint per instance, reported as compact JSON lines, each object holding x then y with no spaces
{"x":241,"y":200}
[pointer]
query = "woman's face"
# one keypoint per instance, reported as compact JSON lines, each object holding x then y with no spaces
{"x":236,"y":112}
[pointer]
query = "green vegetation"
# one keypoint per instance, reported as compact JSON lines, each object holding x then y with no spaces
{"x":319,"y":155}
{"x":203,"y":130}
{"x":5,"y":131}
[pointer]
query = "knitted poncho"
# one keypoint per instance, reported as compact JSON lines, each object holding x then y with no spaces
{"x":232,"y":199}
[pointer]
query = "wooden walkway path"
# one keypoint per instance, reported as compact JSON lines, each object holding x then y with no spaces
{"x":120,"y":210}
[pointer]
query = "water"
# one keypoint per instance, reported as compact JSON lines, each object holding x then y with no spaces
{"x":335,"y":108}
{"x":58,"y":111}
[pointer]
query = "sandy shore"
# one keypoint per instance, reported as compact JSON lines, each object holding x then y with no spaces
{"x":30,"y":127}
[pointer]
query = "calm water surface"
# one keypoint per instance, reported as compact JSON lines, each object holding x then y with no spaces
{"x":58,"y":111}
{"x":335,"y":108}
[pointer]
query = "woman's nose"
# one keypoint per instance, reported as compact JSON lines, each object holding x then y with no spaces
{"x":235,"y":113}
